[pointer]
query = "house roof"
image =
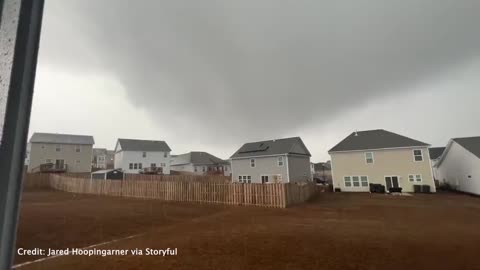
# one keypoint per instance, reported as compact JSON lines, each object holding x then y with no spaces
{"x":202,"y":158}
{"x":272,"y":147}
{"x":472,"y":144}
{"x":322,"y":166}
{"x":436,"y":152}
{"x":375,"y":139}
{"x":144,"y":145}
{"x":61,"y":138}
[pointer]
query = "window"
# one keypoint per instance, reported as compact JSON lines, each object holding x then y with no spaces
{"x":356,"y":181}
{"x":165,"y":154}
{"x":252,"y":163}
{"x":244,"y":179}
{"x":135,"y":166}
{"x":153,"y":165}
{"x":348,"y":181}
{"x":225,"y":168}
{"x":369,"y":157}
{"x":415,"y":178}
{"x":48,"y":161}
{"x":417,"y":155}
{"x":280,"y":161}
{"x":203,"y":168}
{"x":77,"y":161}
{"x":58,"y":148}
{"x":162,"y":165}
{"x":140,"y":166}
{"x":144,"y":154}
{"x":77,"y":148}
{"x":364,"y":181}
{"x":264,"y":178}
{"x":130,"y":166}
{"x":195,"y":168}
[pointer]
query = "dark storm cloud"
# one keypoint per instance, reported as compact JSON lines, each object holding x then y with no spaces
{"x":255,"y":69}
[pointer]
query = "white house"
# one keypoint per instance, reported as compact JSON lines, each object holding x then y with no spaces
{"x":200,"y":163}
{"x":459,"y":165}
{"x":133,"y":155}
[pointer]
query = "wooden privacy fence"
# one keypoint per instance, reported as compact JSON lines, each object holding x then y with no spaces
{"x":266,"y":195}
{"x":36,"y":181}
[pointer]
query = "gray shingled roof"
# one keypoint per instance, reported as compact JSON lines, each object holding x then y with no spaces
{"x":144,"y":145}
{"x":472,"y":144}
{"x":201,"y":158}
{"x":61,"y":138}
{"x":271,"y":147}
{"x":375,"y":139}
{"x":436,"y":152}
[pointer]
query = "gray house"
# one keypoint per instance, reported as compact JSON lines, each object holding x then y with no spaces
{"x":275,"y":161}
{"x":53,"y":152}
{"x":200,"y":163}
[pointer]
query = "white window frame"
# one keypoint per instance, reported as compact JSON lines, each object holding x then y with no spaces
{"x":58,"y":148}
{"x":368,"y":181}
{"x":253,"y":162}
{"x":48,"y":160}
{"x":135,"y":166}
{"x":245,"y":179}
{"x":280,"y":161}
{"x":414,"y":156}
{"x":268,"y":178}
{"x":130,"y":166}
{"x":367,"y":159}
{"x":165,"y":154}
{"x":144,"y":154}
{"x":417,"y":178}
{"x":77,"y":161}
{"x":78,"y":149}
{"x":349,"y":181}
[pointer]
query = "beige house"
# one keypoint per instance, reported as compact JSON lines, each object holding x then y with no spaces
{"x":380,"y":157}
{"x":60,"y":153}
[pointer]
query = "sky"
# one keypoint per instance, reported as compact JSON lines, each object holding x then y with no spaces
{"x":213,"y":75}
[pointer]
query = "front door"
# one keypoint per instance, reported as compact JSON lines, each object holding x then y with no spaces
{"x":392,"y":181}
{"x":59,"y":163}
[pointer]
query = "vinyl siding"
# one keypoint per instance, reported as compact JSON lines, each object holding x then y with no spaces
{"x":392,"y":162}
{"x":40,"y":152}
{"x":263,"y":166}
{"x":458,"y":164}
{"x":299,"y":168}
{"x":124,"y":158}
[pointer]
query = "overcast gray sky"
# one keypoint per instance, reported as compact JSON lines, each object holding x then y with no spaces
{"x":212,"y":75}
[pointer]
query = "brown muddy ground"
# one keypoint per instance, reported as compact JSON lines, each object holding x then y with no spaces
{"x":333,"y":231}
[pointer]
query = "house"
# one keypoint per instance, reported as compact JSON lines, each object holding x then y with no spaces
{"x":323,"y":172}
{"x":103,"y":158}
{"x":132,"y":156}
{"x":200,"y":163}
{"x":53,"y":152}
{"x":459,"y":165}
{"x":274,"y":161}
{"x":435,"y":154}
{"x":380,"y":157}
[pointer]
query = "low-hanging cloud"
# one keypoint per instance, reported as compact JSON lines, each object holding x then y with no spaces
{"x":228,"y":70}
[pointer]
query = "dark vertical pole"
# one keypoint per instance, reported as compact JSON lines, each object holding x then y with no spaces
{"x":20,"y":35}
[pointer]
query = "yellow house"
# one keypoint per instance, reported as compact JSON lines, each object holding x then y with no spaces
{"x":380,"y":157}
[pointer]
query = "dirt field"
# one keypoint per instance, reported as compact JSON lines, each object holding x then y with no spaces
{"x":334,"y":231}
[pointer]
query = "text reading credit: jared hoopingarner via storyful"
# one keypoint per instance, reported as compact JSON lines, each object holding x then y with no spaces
{"x":97,"y":252}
